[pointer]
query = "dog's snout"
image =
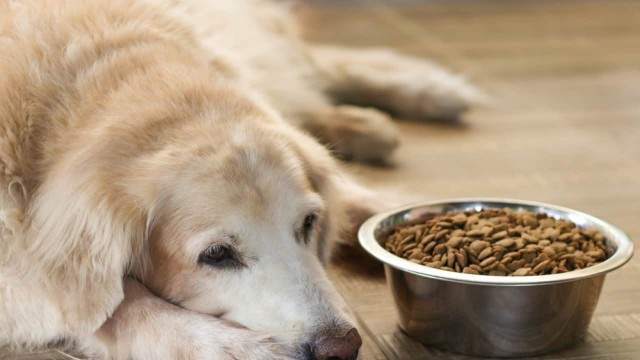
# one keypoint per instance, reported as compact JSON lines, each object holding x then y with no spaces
{"x":338,"y":347}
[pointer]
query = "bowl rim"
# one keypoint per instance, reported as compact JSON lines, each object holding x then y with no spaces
{"x":367,"y":239}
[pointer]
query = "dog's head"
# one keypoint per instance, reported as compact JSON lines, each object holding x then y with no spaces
{"x":241,"y":219}
{"x":215,"y":204}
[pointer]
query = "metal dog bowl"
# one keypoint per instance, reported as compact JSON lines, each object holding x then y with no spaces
{"x":496,"y":316}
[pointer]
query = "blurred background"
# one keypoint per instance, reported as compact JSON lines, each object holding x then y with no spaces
{"x":563,"y":128}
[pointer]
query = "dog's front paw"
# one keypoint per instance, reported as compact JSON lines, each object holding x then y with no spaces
{"x":191,"y":337}
{"x":415,"y":88}
{"x":147,"y":327}
{"x":428,"y":91}
{"x":213,"y":341}
{"x":361,"y":134}
{"x":406,"y":86}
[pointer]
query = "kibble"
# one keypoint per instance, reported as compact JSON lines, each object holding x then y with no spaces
{"x":498,"y":242}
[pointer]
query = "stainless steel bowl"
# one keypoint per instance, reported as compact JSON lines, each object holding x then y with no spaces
{"x":495,"y":316}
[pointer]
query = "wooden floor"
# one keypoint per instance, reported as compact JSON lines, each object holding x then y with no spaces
{"x":564,"y":129}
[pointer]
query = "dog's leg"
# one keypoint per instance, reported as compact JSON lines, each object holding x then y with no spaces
{"x":353,"y":133}
{"x":355,"y":204}
{"x":403,"y":85}
{"x":145,"y":326}
{"x":28,"y":315}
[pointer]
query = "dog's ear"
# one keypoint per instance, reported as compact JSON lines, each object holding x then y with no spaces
{"x":82,"y":233}
{"x":349,"y":204}
{"x":321,"y":170}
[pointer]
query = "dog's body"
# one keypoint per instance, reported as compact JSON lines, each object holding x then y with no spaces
{"x":143,"y":140}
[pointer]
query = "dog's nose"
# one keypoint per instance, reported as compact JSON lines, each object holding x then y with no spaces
{"x":338,"y":347}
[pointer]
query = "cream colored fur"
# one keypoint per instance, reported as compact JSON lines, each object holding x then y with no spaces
{"x":135,"y":135}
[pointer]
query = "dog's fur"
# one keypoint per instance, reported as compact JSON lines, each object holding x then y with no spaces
{"x":136,"y":136}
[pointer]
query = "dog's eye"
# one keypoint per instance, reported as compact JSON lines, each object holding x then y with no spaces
{"x":308,"y":225}
{"x":217,"y":255}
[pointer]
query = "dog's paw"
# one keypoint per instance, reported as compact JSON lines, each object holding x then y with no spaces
{"x":248,"y":344}
{"x":193,"y":339}
{"x":425,"y":91}
{"x":210,"y":338}
{"x":404,"y":85}
{"x":147,"y":327}
{"x":361,"y":134}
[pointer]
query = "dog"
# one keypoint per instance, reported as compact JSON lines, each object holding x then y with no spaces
{"x":163,"y":190}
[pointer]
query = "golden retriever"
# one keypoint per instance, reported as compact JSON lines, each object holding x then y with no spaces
{"x":153,"y":202}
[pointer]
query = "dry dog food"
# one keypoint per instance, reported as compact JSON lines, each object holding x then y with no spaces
{"x":498,"y":242}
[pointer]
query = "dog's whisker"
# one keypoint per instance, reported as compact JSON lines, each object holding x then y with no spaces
{"x":67,"y":355}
